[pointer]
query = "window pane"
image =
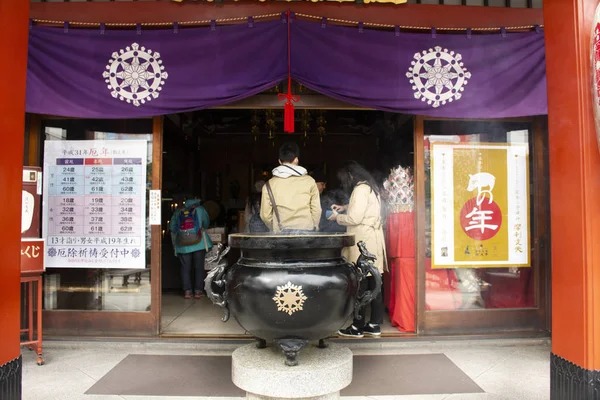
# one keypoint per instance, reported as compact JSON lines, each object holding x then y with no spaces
{"x":518,"y":3}
{"x":477,"y":215}
{"x":497,"y":3}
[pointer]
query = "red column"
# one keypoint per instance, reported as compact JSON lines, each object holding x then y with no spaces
{"x":14,"y":29}
{"x":575,"y":199}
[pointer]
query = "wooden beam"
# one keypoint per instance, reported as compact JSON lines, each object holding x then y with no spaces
{"x":34,"y":157}
{"x":307,"y":101}
{"x":405,"y":14}
{"x":156,"y":234}
{"x":574,"y":163}
{"x":13,"y":37}
{"x":420,"y":219}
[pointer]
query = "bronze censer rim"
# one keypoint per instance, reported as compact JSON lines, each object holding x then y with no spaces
{"x":281,"y":241}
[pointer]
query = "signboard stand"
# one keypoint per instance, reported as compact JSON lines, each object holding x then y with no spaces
{"x":32,"y":258}
{"x":29,"y":281}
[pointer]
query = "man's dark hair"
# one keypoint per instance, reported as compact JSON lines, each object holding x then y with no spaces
{"x":288,"y":151}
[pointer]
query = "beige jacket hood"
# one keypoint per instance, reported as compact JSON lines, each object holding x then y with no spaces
{"x":287,"y":170}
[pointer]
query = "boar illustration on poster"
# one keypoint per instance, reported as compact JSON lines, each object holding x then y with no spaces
{"x":480,"y":205}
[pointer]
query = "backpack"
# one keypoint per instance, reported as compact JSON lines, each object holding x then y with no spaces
{"x":256,"y":225}
{"x":188,"y":232}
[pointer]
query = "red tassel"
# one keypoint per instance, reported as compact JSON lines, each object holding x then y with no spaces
{"x":289,"y":117}
{"x":290,"y":99}
{"x":288,"y":110}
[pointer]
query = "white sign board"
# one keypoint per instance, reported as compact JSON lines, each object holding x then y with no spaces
{"x":155,"y":208}
{"x":94,"y":203}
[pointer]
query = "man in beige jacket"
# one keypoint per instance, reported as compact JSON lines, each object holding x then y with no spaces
{"x":295,"y":194}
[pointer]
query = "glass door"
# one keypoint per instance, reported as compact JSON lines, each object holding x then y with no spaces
{"x":482,"y":196}
{"x":96,"y":299}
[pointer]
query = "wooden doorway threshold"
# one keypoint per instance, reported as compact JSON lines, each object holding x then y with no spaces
{"x":400,"y":337}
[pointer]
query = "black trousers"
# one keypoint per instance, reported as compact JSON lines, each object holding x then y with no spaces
{"x":192,"y":261}
{"x":377,"y":307}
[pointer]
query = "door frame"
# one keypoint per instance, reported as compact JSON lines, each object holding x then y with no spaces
{"x":486,"y":321}
{"x":109,"y":323}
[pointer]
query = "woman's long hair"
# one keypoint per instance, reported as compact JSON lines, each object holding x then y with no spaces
{"x":351,"y":173}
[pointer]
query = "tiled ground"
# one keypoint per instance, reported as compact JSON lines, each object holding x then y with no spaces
{"x":181,"y":317}
{"x":505,"y":369}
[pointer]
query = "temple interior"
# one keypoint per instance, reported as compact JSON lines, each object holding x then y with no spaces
{"x":218,"y":155}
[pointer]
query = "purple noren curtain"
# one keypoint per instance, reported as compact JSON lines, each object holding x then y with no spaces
{"x":118,"y":73}
{"x":443,"y":75}
{"x":127,"y":74}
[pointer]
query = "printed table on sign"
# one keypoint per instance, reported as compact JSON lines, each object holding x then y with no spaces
{"x":95,"y":203}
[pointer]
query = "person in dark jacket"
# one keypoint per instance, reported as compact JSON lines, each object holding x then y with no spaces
{"x":252,"y":220}
{"x":327,"y":200}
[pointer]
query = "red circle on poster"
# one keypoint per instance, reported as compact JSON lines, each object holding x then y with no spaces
{"x":481,"y":222}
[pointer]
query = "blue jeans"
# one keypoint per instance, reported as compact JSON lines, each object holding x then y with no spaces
{"x":195,"y":259}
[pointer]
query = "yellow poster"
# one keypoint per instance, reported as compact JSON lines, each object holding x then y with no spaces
{"x":480,"y":206}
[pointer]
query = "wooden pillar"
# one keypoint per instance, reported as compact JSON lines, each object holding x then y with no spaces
{"x":575,"y":201}
{"x":34,"y":151}
{"x":14,"y":31}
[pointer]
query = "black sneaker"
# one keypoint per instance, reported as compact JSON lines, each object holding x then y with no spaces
{"x":350,"y":332}
{"x":372,"y":331}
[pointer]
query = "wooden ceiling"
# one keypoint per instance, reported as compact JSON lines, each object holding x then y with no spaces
{"x":145,"y":12}
{"x":485,"y":3}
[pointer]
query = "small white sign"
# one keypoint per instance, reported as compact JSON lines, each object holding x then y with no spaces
{"x":155,"y":208}
{"x":39,"y":183}
{"x":27,"y":208}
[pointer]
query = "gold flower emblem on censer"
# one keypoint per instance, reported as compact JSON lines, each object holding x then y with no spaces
{"x":289,"y":298}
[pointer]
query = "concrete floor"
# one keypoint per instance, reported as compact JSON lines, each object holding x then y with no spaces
{"x":506,"y":369}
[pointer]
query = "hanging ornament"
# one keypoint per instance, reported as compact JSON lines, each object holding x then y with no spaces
{"x":399,"y":189}
{"x":255,"y":132}
{"x":305,"y":122}
{"x":290,"y":99}
{"x":255,"y":120}
{"x":321,"y":122}
{"x":270,"y":122}
{"x":305,"y":125}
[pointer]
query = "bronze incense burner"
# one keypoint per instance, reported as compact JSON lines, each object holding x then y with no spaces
{"x":291,"y":289}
